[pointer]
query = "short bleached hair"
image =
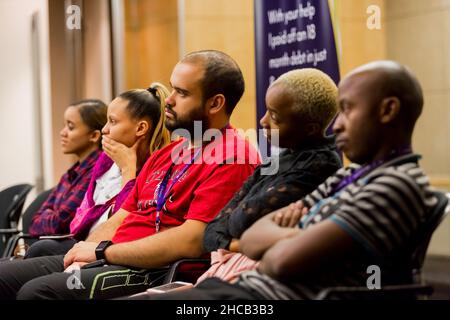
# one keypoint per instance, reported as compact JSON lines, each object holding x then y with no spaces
{"x":314,"y":94}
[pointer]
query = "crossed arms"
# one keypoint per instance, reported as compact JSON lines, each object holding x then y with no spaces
{"x":288,"y":253}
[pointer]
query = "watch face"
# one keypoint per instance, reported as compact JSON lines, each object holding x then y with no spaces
{"x":103,"y":245}
{"x":100,"y":250}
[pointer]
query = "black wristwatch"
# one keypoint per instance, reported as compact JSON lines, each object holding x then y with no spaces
{"x":100,"y":250}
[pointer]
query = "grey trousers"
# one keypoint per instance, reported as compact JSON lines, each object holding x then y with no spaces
{"x":43,"y":278}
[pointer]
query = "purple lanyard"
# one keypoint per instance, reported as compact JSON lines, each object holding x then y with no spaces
{"x":162,"y":193}
{"x":367,"y":168}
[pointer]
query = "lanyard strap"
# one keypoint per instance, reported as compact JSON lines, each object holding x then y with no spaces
{"x":163,"y":191}
{"x":316,"y":208}
{"x":369,"y":167}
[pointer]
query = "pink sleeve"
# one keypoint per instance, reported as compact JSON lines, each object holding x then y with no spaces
{"x":227,"y":265}
{"x":81,"y":212}
{"x":130,"y":204}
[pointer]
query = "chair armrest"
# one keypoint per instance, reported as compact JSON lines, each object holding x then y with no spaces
{"x":26,"y":236}
{"x":9,"y":231}
{"x":13,"y":241}
{"x":191,"y":268}
{"x":57,"y":237}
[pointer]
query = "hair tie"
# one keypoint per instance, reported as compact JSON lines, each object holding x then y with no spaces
{"x":152,"y":90}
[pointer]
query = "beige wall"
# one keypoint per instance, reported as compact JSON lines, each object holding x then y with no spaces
{"x":97,"y":50}
{"x":151,"y":41}
{"x":227,"y":26}
{"x":418,"y":36}
{"x":355,"y":43}
{"x":358,"y":44}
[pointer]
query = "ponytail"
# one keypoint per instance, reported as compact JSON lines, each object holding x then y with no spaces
{"x":161,"y":136}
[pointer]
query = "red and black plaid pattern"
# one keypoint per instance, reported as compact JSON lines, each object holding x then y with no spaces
{"x":58,"y":210}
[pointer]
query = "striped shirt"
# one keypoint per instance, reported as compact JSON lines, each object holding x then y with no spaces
{"x":382,"y":212}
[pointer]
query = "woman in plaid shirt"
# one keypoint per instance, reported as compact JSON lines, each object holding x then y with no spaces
{"x":81,"y":136}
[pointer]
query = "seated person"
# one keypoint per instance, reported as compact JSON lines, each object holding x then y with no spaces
{"x":366,"y":214}
{"x":178,"y":191}
{"x":300,"y":105}
{"x":134,"y":130}
{"x":81,"y":136}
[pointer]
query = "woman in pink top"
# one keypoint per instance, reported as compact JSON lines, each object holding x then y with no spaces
{"x":134,"y":129}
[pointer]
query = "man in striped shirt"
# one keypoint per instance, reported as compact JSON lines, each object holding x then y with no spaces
{"x":367,"y":214}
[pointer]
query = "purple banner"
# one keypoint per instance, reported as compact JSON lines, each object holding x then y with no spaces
{"x":292,"y":34}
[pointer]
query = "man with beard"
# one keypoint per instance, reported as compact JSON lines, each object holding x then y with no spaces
{"x":176,"y":194}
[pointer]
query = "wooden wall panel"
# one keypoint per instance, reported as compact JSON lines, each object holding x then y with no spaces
{"x":151,"y":41}
{"x":226,"y":25}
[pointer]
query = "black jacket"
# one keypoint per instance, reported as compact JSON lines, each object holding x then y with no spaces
{"x":300,"y":172}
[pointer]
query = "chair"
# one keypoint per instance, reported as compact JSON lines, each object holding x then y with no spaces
{"x":416,"y":252}
{"x":12,"y":200}
{"x":187,"y":270}
{"x":26,"y":222}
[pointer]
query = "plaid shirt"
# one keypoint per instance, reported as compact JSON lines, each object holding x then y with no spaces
{"x":58,"y":210}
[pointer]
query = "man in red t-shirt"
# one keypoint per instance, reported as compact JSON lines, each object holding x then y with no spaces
{"x":179,"y":190}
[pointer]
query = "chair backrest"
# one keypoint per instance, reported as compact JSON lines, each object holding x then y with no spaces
{"x":12,"y":200}
{"x":437,"y":215}
{"x":34,"y":206}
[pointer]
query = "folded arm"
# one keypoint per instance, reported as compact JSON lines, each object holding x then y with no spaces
{"x":263,"y":234}
{"x":308,"y":252}
{"x":234,"y":220}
